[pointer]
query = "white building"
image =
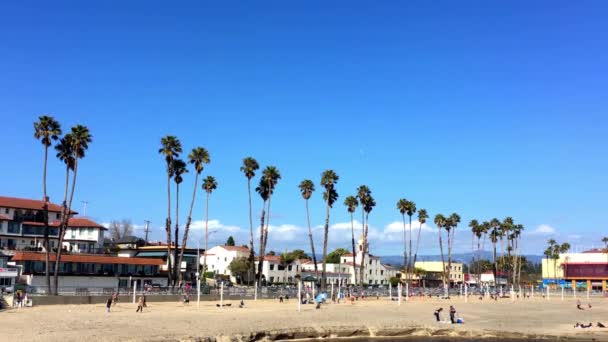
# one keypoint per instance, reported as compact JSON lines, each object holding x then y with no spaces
{"x":220,"y":257}
{"x":273,"y":271}
{"x":22,"y":227}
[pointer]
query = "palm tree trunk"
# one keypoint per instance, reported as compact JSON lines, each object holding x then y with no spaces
{"x":442,"y":258}
{"x":176,"y":267}
{"x":187,"y":230}
{"x":365,"y":251}
{"x":47,"y":262}
{"x":168,"y":231}
{"x":494,"y":268}
{"x":410,"y":265}
{"x":206,"y":236}
{"x":478,"y":262}
{"x":352,"y":229}
{"x":251,"y":247}
{"x":312,"y":242}
{"x":417,"y":245}
{"x":262,"y":251}
{"x":325,"y":236}
{"x":405,"y":265}
{"x":362,"y":265}
{"x":63,"y":224}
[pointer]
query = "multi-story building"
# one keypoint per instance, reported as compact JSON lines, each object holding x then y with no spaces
{"x":86,"y":271}
{"x":434,"y":272}
{"x":7,"y":273}
{"x":575,"y":270}
{"x":158,"y":251}
{"x":220,"y":257}
{"x":22,"y":227}
{"x":274,"y":271}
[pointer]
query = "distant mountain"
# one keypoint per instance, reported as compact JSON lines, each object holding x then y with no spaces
{"x":460,"y":257}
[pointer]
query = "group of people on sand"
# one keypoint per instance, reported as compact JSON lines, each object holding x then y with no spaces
{"x":590,"y":325}
{"x":113,"y":300}
{"x":453,"y":318}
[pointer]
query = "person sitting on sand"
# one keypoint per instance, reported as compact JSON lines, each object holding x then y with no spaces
{"x":578,"y":305}
{"x":437,"y":314}
{"x":583,"y":326}
{"x":600,"y":325}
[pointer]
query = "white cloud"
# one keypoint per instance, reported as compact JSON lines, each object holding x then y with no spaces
{"x":543,"y":229}
{"x":397,"y":227}
{"x":213,"y":225}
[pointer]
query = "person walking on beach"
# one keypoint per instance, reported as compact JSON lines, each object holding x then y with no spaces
{"x":452,"y":314}
{"x":109,"y":303}
{"x":114,"y":298}
{"x":140,"y":305}
{"x":438,"y":314}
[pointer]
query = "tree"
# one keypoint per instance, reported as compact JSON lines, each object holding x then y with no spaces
{"x":401,"y":206}
{"x":450,"y":227}
{"x":120,"y":229}
{"x":179,"y":168}
{"x":271,"y":176}
{"x":364,"y":195}
{"x":422,"y":216}
{"x":440,"y":222}
{"x":230,"y":241}
{"x":474,"y":225}
{"x":239,"y":267}
{"x":47,"y":130}
{"x":264,"y":191}
{"x":505,"y":232}
{"x":272,"y":253}
{"x":494,"y":225}
{"x":329,"y":178}
{"x":351,"y":204}
{"x":209,"y":184}
{"x":307,"y":187}
{"x":299,"y":254}
{"x":79,"y":138}
{"x":334,"y":257}
{"x":250,"y":166}
{"x":198,"y":158}
{"x":171,"y":147}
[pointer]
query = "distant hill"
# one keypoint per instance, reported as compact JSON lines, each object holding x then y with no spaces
{"x":460,"y":257}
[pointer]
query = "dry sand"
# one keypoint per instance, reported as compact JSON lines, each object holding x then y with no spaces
{"x":174,"y":321}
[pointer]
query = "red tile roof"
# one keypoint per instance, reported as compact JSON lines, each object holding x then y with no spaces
{"x":87,"y":258}
{"x":82,"y":222}
{"x":25,"y":203}
{"x":236,"y":248}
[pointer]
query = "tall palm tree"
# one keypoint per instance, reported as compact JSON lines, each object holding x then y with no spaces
{"x":307,"y":187}
{"x":171,"y":147}
{"x":264,"y":191}
{"x":271,"y":177}
{"x":422,"y":217}
{"x":364,"y":195}
{"x":474,"y":225}
{"x":505,"y":230}
{"x":329,"y":178}
{"x":402,"y":207}
{"x":198,"y":157}
{"x":179,"y":168}
{"x":47,"y":130}
{"x":410,"y":210}
{"x":513,"y":236}
{"x":548,"y":253}
{"x":451,"y":225}
{"x":519,"y":229}
{"x":80,"y":138}
{"x":209,"y":184}
{"x":250,"y":166}
{"x":494,"y":225}
{"x":351,"y":204}
{"x":440,"y":222}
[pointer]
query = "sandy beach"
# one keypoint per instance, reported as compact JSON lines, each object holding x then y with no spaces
{"x":175,"y":321}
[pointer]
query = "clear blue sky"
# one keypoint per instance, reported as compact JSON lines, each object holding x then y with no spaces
{"x":485,"y":109}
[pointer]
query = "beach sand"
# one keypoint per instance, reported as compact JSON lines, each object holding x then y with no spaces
{"x":175,"y":321}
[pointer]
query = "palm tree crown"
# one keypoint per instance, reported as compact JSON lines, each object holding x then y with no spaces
{"x":422,"y":216}
{"x":178,"y":168}
{"x":81,"y":138}
{"x":209,"y":184}
{"x":351,"y":203}
{"x":263,"y":189}
{"x":329,"y":178}
{"x":440,"y":221}
{"x":250,"y":165}
{"x":65,"y":151}
{"x":199,"y":157}
{"x":47,"y":129}
{"x":307,"y":187}
{"x":171,"y":148}
{"x":272,"y":176}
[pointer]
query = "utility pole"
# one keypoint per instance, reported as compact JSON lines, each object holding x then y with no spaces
{"x":84,"y":207}
{"x":147,"y":230}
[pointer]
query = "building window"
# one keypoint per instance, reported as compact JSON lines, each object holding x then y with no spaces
{"x":57,"y":216}
{"x":6,"y":210}
{"x":225,"y":259}
{"x":271,"y":279}
{"x":381,"y":272}
{"x":272,"y":269}
{"x":289,"y":268}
